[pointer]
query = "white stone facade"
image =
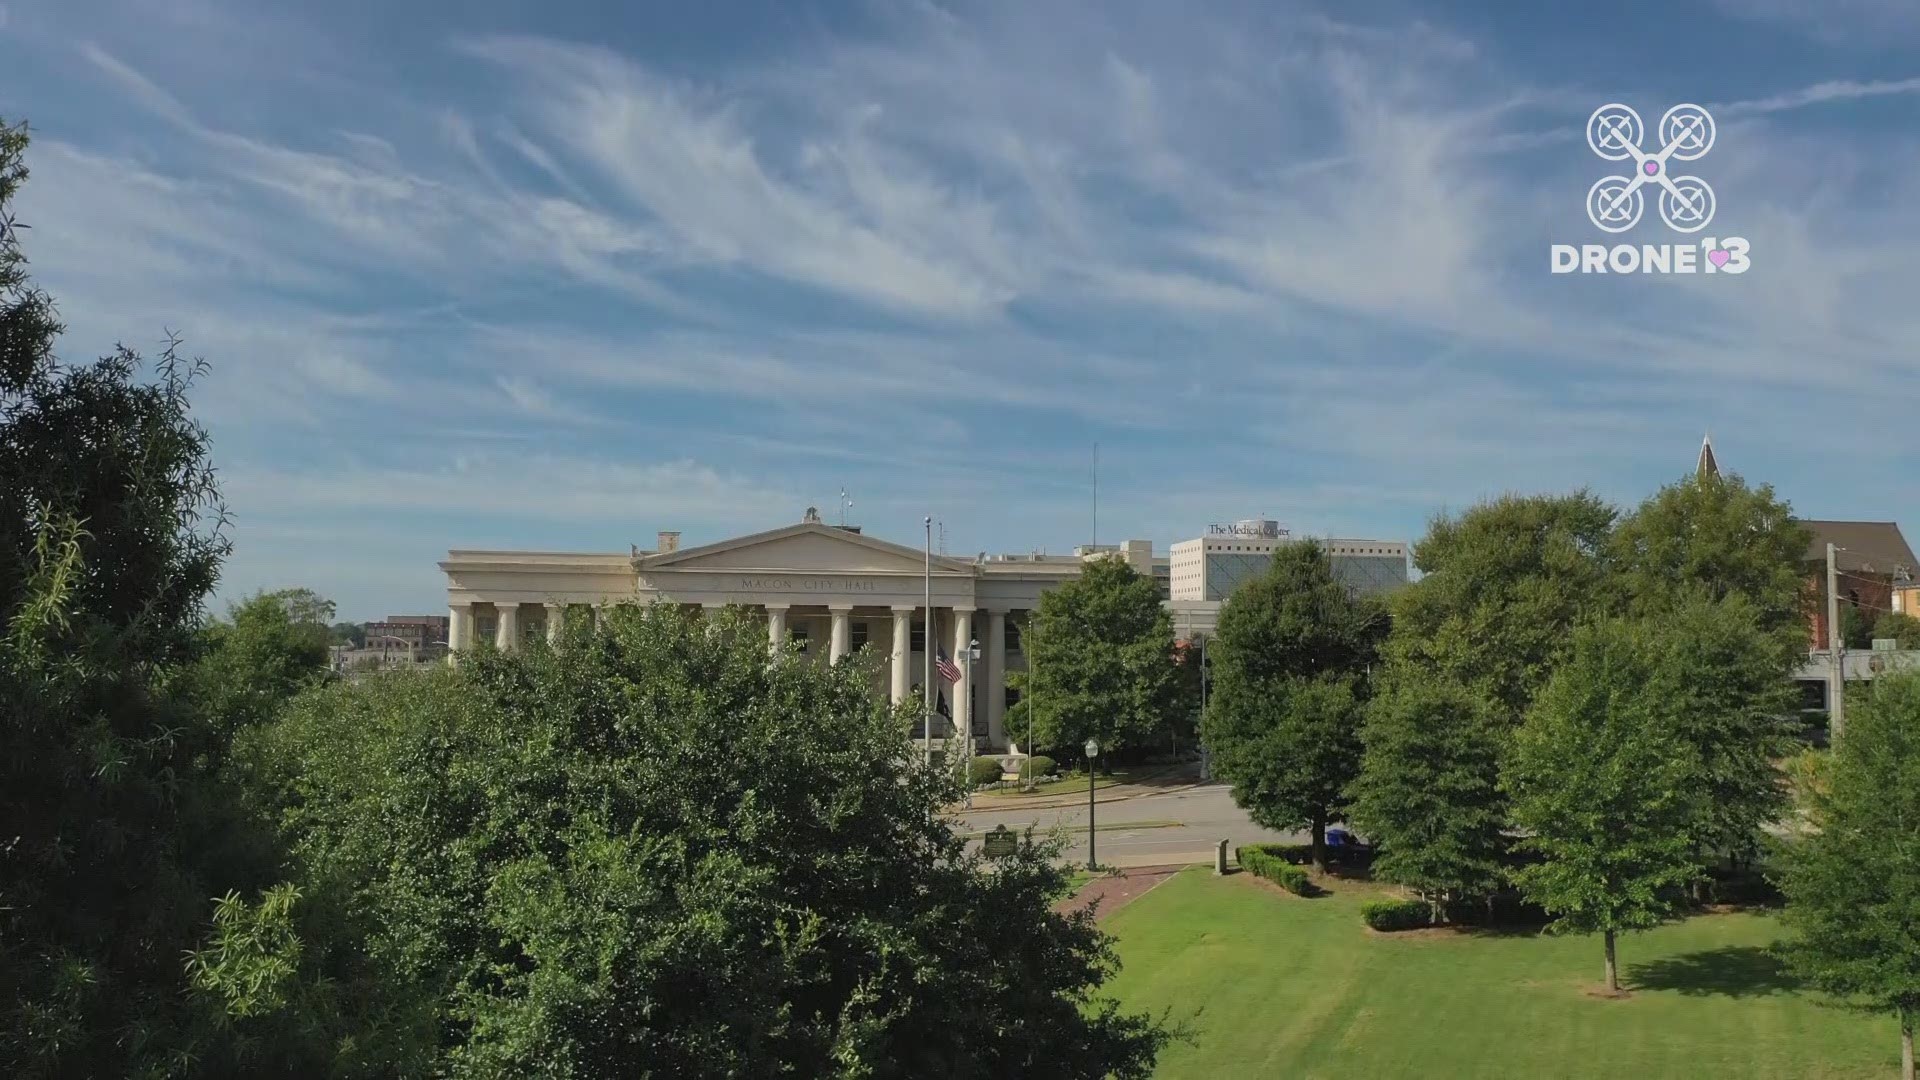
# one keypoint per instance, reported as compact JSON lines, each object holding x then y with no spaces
{"x":836,"y":591}
{"x":831,"y":588}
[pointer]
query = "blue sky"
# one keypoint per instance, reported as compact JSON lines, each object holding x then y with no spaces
{"x":561,"y":275}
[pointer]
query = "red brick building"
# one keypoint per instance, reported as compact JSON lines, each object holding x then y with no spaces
{"x":1872,"y":560}
{"x":417,"y":632}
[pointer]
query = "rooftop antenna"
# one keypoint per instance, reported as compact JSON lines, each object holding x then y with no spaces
{"x":943,"y":537}
{"x":845,"y":502}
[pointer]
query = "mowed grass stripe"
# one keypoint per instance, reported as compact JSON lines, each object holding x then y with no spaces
{"x":1286,"y":987}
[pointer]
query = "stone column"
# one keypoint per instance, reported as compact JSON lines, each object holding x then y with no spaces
{"x":902,"y":652}
{"x":556,"y":622}
{"x":996,"y":677}
{"x":962,"y":690}
{"x":776,"y":627}
{"x":459,"y":628}
{"x":842,"y":641}
{"x":506,"y":633}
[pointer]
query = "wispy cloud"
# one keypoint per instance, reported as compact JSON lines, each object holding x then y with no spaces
{"x":1272,"y":259}
{"x":1835,"y":91}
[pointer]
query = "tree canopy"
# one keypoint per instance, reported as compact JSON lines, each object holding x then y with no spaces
{"x":1100,"y":664}
{"x":1851,"y":875}
{"x":1290,"y":661}
{"x":1601,"y":787}
{"x":1427,"y":795}
{"x":1719,"y":684}
{"x":267,"y":650}
{"x":1713,"y":536}
{"x":110,"y":540}
{"x":651,"y":852}
{"x":1504,"y":585}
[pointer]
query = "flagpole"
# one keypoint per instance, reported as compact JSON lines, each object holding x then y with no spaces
{"x":926,"y":653}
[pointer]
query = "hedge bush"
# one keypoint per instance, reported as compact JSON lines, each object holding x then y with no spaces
{"x":1268,"y":861}
{"x":984,"y":770}
{"x":1041,"y":765}
{"x":1392,"y":915}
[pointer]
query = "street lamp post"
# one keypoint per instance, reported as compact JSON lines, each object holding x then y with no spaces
{"x":1093,"y":751}
{"x":966,"y":763}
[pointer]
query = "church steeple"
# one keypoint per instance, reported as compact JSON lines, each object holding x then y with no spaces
{"x":1707,"y":466}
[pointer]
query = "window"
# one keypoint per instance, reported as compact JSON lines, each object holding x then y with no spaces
{"x":919,"y":637}
{"x":1013,"y":696}
{"x":1013,"y":635}
{"x":798,"y":632}
{"x":859,"y":635}
{"x":484,"y":628}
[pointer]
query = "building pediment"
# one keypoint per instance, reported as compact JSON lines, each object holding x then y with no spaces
{"x":807,"y":548}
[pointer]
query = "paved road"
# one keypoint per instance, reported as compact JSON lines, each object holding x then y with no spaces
{"x":1206,"y":815}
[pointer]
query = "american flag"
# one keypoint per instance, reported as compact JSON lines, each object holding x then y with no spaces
{"x":945,"y":666}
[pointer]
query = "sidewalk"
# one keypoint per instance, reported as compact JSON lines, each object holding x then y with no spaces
{"x":1068,"y":799}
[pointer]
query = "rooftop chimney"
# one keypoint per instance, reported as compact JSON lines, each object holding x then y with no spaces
{"x":669,"y":541}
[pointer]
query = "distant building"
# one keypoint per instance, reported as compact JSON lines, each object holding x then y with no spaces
{"x":423,"y":633}
{"x":1211,"y":567}
{"x":833,"y":590}
{"x":1875,"y":568}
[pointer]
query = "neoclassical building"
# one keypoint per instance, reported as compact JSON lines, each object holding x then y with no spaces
{"x":829,"y":587}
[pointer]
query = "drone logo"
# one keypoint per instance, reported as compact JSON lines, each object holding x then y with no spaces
{"x":1615,"y":203}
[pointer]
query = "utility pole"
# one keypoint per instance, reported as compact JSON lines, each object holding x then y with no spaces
{"x":1836,"y":669}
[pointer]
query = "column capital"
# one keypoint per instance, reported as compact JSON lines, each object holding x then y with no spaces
{"x":556,"y":605}
{"x":905,"y":609}
{"x":959,"y":609}
{"x":997,"y":609}
{"x":776,"y":606}
{"x":839,"y":608}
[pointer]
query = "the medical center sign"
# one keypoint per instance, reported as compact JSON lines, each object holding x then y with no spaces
{"x":1686,"y":203}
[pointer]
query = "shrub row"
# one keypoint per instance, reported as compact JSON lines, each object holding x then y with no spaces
{"x":1270,"y":862}
{"x":983,"y":770}
{"x":1388,"y":915}
{"x":988,"y":769}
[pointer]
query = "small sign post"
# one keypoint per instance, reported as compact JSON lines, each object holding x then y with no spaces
{"x":1000,"y":843}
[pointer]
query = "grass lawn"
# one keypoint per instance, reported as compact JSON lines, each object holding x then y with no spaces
{"x":1287,"y":987}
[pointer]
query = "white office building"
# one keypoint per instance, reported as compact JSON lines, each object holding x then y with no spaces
{"x":1209,"y":568}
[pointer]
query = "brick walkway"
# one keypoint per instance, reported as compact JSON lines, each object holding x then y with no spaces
{"x":1115,"y":892}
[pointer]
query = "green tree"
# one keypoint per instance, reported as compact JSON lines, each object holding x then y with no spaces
{"x":1720,"y":685}
{"x":1851,"y":874}
{"x":110,"y":539}
{"x":1714,"y":536}
{"x":662,"y":855}
{"x":1289,"y":664}
{"x":347,"y":633}
{"x":1478,"y":635}
{"x":1427,"y":795}
{"x":264,"y":653}
{"x":1856,"y":626}
{"x":1899,"y":626}
{"x":1100,"y":664}
{"x":1600,"y":789}
{"x":1504,"y":585}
